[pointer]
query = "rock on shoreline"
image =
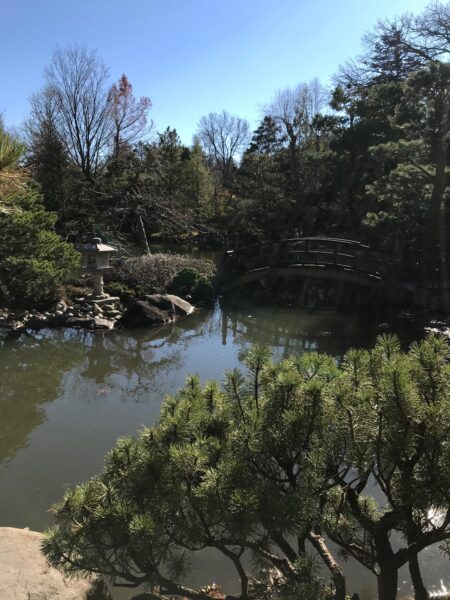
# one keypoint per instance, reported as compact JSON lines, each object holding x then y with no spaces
{"x":99,"y":314}
{"x":156,"y":310}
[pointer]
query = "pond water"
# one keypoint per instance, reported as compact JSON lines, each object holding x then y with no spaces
{"x":66,"y":395}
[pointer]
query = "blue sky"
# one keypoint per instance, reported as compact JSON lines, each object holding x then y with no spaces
{"x":191,"y":57}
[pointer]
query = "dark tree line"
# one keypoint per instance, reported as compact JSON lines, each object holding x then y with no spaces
{"x":366,"y":159}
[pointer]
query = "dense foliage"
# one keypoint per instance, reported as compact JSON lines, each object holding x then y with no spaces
{"x":12,"y":179}
{"x":34,"y":260}
{"x":365,"y":160}
{"x":284,"y":455}
{"x":158,"y":273}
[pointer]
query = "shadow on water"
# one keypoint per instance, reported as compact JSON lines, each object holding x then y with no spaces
{"x":294,"y":331}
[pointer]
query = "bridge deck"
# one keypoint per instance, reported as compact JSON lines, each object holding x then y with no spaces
{"x":312,"y":256}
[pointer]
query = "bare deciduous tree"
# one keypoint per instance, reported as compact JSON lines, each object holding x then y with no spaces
{"x":223,"y":137}
{"x":430,"y":32}
{"x":294,"y":109}
{"x":77,"y":84}
{"x":390,"y":54}
{"x":398,"y":47}
{"x":128,"y":114}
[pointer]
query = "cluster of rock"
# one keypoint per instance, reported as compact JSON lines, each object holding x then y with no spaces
{"x":94,"y":313}
{"x":88,"y":313}
{"x":99,"y":313}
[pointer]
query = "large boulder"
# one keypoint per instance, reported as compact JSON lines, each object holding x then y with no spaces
{"x":171,"y":304}
{"x":142,"y":313}
{"x":25,"y":574}
{"x":156,"y":310}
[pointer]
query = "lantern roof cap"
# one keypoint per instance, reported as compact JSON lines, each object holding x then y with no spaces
{"x":95,"y":245}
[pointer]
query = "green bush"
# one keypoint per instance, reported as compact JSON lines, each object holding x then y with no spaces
{"x":31,"y":280}
{"x":75,"y":289}
{"x":34,"y":261}
{"x":156,"y":273}
{"x":189,"y":282}
{"x":126,"y":294}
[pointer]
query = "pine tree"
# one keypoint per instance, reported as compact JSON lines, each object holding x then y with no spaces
{"x":279,"y":457}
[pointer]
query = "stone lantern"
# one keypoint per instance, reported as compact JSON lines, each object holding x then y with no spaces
{"x":95,"y":260}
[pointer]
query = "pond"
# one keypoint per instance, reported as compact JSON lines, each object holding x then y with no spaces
{"x":66,"y":395}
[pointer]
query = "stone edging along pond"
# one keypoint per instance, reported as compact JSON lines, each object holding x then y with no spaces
{"x":99,"y":313}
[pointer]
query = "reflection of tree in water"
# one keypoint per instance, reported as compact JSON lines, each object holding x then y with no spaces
{"x":296,"y":331}
{"x":132,"y":360}
{"x":32,"y":367}
{"x":137,"y":357}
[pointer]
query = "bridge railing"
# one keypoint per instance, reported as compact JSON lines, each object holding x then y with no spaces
{"x":333,"y":253}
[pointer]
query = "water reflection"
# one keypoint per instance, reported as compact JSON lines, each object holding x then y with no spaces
{"x":131,"y":361}
{"x":32,"y":369}
{"x":292,"y":332}
{"x":142,"y":365}
{"x":67,"y":395}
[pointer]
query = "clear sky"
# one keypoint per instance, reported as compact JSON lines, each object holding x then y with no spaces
{"x":191,"y":57}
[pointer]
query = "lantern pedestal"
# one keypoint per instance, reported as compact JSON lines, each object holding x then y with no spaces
{"x":95,"y":260}
{"x":97,"y":284}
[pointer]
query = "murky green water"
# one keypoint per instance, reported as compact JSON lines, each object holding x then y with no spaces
{"x":67,"y":395}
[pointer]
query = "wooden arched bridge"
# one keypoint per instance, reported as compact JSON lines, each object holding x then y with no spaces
{"x":336,"y":259}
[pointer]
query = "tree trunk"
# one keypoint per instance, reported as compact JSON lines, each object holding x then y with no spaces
{"x":420,"y":592}
{"x":388,"y":569}
{"x":143,"y":234}
{"x":387,"y":581}
{"x":116,"y":142}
